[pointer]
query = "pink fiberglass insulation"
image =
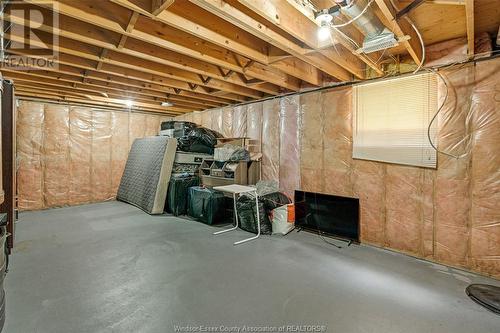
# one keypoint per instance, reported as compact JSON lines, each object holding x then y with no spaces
{"x":254,"y":121}
{"x":227,"y":122}
{"x":137,"y":127}
{"x":485,"y":180}
{"x":452,"y":184}
{"x":312,"y":134}
{"x":239,"y":126}
{"x":337,"y":141}
{"x":30,"y":118}
{"x":271,"y":140}
{"x":55,"y":150}
{"x":120,"y":145}
{"x":289,"y":155}
{"x":101,"y":176}
{"x":80,"y":129}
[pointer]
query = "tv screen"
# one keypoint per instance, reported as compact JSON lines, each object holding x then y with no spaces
{"x":330,"y":214}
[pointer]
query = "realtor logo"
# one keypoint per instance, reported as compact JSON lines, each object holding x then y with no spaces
{"x":29,"y":38}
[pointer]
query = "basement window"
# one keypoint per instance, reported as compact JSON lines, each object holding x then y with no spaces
{"x":391,"y":119}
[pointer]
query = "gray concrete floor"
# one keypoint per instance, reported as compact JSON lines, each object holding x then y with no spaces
{"x":112,"y":268}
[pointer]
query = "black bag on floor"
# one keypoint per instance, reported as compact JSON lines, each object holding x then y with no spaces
{"x":177,"y":196}
{"x":206,"y":205}
{"x":247,"y":212}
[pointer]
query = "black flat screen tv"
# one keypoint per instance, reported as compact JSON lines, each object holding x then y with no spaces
{"x":330,"y":214}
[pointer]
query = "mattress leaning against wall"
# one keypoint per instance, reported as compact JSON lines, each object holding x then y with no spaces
{"x":147,"y":173}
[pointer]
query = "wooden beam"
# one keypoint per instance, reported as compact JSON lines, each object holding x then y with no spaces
{"x":235,"y":16}
{"x":116,"y":74}
{"x":469,"y":18}
{"x":132,"y":22}
{"x":304,"y":28}
{"x":70,"y":47}
{"x":90,"y":13}
{"x":401,"y":29}
{"x":160,"y":5}
{"x":145,"y":51}
{"x":447,"y":2}
{"x":198,"y":30}
{"x":41,"y":86}
{"x":95,"y":100}
{"x":59,"y":80}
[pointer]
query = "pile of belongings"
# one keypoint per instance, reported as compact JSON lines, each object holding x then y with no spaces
{"x":247,"y":211}
{"x":192,"y":138}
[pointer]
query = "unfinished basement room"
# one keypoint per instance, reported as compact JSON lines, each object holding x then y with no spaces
{"x":250,"y":166}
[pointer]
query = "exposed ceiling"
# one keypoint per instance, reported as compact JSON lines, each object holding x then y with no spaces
{"x":199,"y":54}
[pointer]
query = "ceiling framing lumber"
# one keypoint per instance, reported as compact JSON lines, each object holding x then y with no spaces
{"x":402,"y":28}
{"x":137,"y":65}
{"x":291,"y":20}
{"x":258,"y":70}
{"x":59,"y":80}
{"x":159,"y":6}
{"x":128,"y":56}
{"x":59,"y":97}
{"x":233,"y":15}
{"x":41,"y":86}
{"x":86,"y":11}
{"x":469,"y":19}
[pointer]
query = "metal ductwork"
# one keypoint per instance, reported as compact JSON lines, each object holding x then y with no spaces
{"x":377,"y":36}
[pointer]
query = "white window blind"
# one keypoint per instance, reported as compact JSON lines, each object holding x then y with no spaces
{"x":391,"y":118}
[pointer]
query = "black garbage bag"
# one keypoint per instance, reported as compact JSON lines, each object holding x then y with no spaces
{"x":247,"y":211}
{"x":274,"y":200}
{"x":177,"y":195}
{"x":199,"y":140}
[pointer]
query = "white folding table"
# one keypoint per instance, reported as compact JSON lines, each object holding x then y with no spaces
{"x":237,"y":190}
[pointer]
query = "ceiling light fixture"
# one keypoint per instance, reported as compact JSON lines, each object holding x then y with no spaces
{"x":128,"y":103}
{"x":324,"y":19}
{"x":167,"y":104}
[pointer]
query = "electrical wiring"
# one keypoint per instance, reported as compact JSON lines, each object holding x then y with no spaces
{"x":354,"y":18}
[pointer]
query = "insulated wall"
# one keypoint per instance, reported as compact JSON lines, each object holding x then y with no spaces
{"x":449,"y":215}
{"x":70,"y":155}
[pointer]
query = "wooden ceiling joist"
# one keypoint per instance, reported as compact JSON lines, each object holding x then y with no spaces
{"x":61,"y":97}
{"x":91,"y":85}
{"x":469,"y":19}
{"x":259,"y":71}
{"x":238,"y":18}
{"x":288,"y":18}
{"x":67,"y":47}
{"x":159,"y":6}
{"x":402,"y":28}
{"x":89,"y":12}
{"x":115,"y":74}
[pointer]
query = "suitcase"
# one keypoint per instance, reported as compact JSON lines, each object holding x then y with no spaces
{"x":177,"y":195}
{"x":206,"y":205}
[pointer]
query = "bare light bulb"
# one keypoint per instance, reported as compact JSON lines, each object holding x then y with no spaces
{"x":324,"y":32}
{"x":129,"y":103}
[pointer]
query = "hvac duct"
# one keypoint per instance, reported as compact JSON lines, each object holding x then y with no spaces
{"x":377,"y":36}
